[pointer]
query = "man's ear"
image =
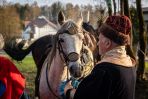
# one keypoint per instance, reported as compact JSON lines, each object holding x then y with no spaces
{"x":108,"y":43}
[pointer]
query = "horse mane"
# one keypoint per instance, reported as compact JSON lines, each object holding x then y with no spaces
{"x":93,"y":35}
{"x":88,"y":27}
{"x":52,"y":52}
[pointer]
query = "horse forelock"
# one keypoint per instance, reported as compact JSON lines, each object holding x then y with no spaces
{"x":71,"y":27}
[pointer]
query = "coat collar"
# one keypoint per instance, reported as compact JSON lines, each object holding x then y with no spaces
{"x":118,"y":56}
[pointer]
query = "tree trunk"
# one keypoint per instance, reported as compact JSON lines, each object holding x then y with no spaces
{"x":114,"y":4}
{"x":126,"y":8}
{"x":129,"y":49}
{"x":122,"y":7}
{"x":109,"y":5}
{"x":142,"y":43}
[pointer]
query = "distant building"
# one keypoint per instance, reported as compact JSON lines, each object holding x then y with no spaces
{"x":38,"y":28}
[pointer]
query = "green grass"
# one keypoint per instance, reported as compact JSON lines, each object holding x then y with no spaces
{"x":146,"y":67}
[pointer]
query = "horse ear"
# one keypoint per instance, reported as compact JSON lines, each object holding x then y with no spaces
{"x":61,"y":18}
{"x":80,"y":20}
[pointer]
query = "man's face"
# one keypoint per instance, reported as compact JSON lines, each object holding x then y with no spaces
{"x":103,"y":41}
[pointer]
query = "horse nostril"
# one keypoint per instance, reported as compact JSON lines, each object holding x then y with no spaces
{"x":75,"y":71}
{"x":81,"y":68}
{"x":71,"y":69}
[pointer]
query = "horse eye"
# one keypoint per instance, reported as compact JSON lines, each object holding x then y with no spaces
{"x":61,"y":40}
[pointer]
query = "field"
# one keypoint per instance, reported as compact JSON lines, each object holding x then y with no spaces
{"x":27,"y":67}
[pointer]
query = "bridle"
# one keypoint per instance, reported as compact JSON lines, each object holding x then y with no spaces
{"x":66,"y":60}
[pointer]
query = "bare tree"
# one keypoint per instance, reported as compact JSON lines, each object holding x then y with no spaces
{"x":55,"y":8}
{"x":35,"y":10}
{"x":129,"y":49}
{"x":126,"y":8}
{"x":142,"y":42}
{"x":109,"y":5}
{"x":114,"y":4}
{"x":122,"y":7}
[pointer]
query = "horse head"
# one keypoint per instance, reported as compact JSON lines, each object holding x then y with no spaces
{"x":71,"y":43}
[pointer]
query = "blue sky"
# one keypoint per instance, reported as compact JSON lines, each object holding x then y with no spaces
{"x":83,"y":2}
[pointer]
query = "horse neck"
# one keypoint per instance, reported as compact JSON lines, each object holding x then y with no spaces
{"x":57,"y":71}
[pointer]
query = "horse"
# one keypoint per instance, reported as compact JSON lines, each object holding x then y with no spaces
{"x":65,"y":60}
{"x":40,"y":49}
{"x":68,"y":47}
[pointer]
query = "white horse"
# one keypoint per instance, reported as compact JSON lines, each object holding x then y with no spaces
{"x":66,"y":59}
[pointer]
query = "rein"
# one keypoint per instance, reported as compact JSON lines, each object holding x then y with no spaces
{"x":53,"y":51}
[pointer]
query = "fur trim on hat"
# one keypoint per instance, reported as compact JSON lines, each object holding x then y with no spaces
{"x":115,"y":36}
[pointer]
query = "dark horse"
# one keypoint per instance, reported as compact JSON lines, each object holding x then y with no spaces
{"x":40,"y":49}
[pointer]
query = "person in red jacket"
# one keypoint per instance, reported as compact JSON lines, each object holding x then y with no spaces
{"x":12,"y":82}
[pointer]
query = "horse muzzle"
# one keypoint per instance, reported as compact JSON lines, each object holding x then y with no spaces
{"x":76,"y":70}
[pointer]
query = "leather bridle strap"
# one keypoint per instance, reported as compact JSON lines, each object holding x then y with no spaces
{"x":60,"y":48}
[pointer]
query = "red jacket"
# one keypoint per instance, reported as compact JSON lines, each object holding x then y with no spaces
{"x":12,"y":78}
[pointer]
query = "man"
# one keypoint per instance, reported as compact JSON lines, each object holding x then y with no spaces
{"x":114,"y":77}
